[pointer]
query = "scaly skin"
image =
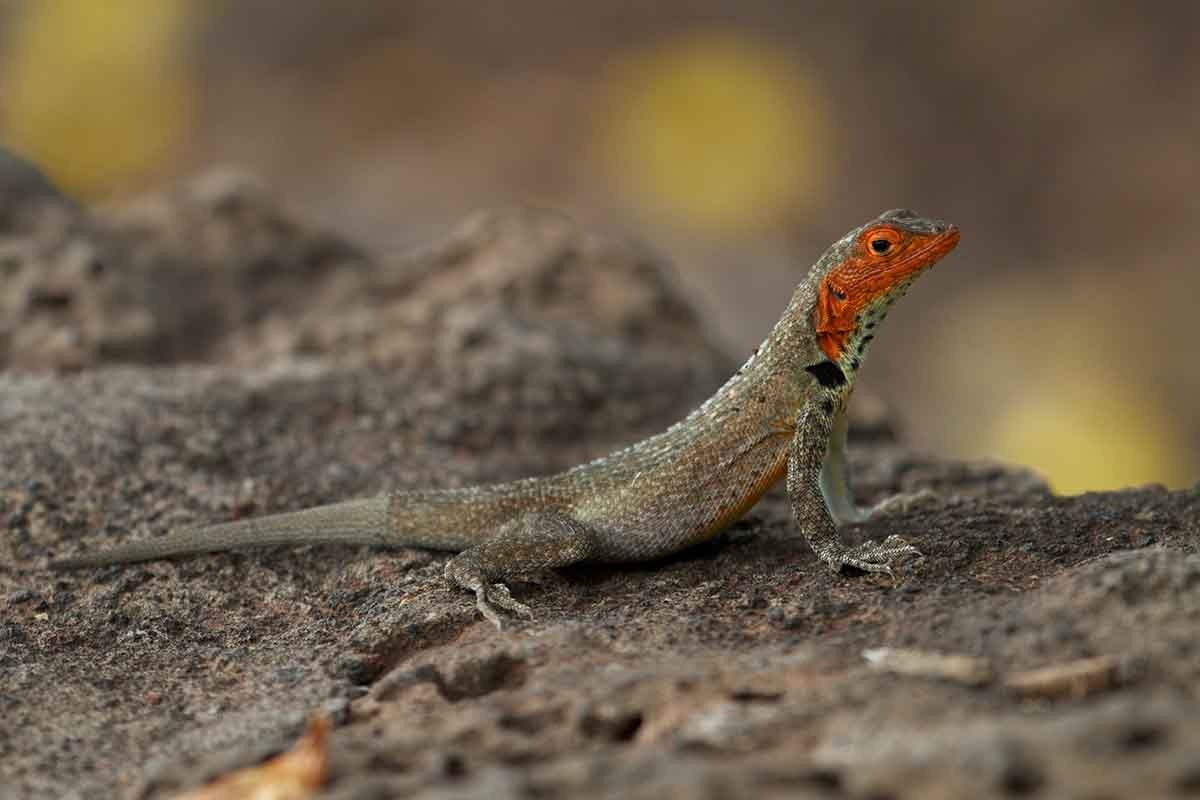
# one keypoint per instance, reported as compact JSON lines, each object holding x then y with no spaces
{"x":783,"y":412}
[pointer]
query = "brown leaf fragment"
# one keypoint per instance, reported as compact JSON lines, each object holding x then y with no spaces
{"x":967,"y":670}
{"x":1075,"y":679}
{"x":292,"y":775}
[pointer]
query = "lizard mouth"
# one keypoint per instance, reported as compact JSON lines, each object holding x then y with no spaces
{"x":930,"y":252}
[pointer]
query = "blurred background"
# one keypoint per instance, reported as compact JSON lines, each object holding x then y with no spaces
{"x":1060,"y":136}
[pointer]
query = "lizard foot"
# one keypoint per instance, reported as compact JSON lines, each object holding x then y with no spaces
{"x":499,"y":595}
{"x":487,"y":598}
{"x":872,"y":556}
{"x":528,"y":544}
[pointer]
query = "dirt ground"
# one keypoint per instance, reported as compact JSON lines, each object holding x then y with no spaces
{"x":200,"y":356}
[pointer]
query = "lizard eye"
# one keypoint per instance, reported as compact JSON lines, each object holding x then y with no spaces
{"x":882,"y":241}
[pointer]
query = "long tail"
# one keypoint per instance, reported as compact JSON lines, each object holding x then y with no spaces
{"x":351,"y":522}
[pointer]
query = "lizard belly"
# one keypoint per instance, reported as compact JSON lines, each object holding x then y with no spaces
{"x":757,"y":489}
{"x":669,"y":508}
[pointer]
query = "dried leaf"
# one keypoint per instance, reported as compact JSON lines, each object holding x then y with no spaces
{"x":293,"y":775}
{"x":1073,"y":679}
{"x":966,"y":670}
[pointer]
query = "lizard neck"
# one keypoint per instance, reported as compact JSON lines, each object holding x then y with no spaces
{"x":796,"y":349}
{"x":769,"y":384}
{"x":849,"y":349}
{"x":774,"y":381}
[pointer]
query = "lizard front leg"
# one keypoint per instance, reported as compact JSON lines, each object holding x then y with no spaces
{"x":533,"y":542}
{"x":807,"y":455}
{"x":835,"y":483}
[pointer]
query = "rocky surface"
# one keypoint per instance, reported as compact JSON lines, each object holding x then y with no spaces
{"x":201,"y":356}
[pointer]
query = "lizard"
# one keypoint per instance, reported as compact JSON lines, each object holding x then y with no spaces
{"x":782,"y":415}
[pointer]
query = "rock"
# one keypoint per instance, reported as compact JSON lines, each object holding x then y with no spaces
{"x":228,"y":360}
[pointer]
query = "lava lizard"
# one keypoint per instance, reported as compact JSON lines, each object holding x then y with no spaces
{"x":783,"y":412}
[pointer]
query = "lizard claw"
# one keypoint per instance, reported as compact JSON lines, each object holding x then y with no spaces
{"x":873,"y":556}
{"x":501,"y":597}
{"x":488,"y":597}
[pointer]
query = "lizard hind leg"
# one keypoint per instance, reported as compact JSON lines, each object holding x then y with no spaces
{"x":533,"y":542}
{"x":835,"y":485}
{"x":834,"y":480}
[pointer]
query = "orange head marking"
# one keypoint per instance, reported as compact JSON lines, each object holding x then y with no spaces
{"x":881,"y":261}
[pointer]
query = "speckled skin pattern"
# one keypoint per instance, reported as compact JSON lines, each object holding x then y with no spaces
{"x":782,"y":412}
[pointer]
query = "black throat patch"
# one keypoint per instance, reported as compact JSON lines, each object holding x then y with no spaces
{"x":828,"y":374}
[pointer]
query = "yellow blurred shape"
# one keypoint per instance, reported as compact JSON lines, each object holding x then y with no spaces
{"x":96,"y":91}
{"x":714,"y":129}
{"x":1086,"y":433}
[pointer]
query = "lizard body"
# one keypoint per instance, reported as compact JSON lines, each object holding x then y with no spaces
{"x":782,"y":413}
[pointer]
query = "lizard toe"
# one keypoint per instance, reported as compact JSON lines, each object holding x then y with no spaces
{"x":867,"y":566}
{"x":485,"y":608}
{"x":500,"y":596}
{"x":875,"y":557}
{"x":896,"y":546}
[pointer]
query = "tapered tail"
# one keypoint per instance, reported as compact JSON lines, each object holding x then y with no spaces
{"x":351,"y":522}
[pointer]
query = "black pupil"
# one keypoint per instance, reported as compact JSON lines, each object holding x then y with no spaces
{"x":880,"y":245}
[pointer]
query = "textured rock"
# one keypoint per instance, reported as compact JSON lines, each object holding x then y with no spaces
{"x":228,"y":361}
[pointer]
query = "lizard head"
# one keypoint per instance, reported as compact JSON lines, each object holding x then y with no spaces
{"x":868,"y":270}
